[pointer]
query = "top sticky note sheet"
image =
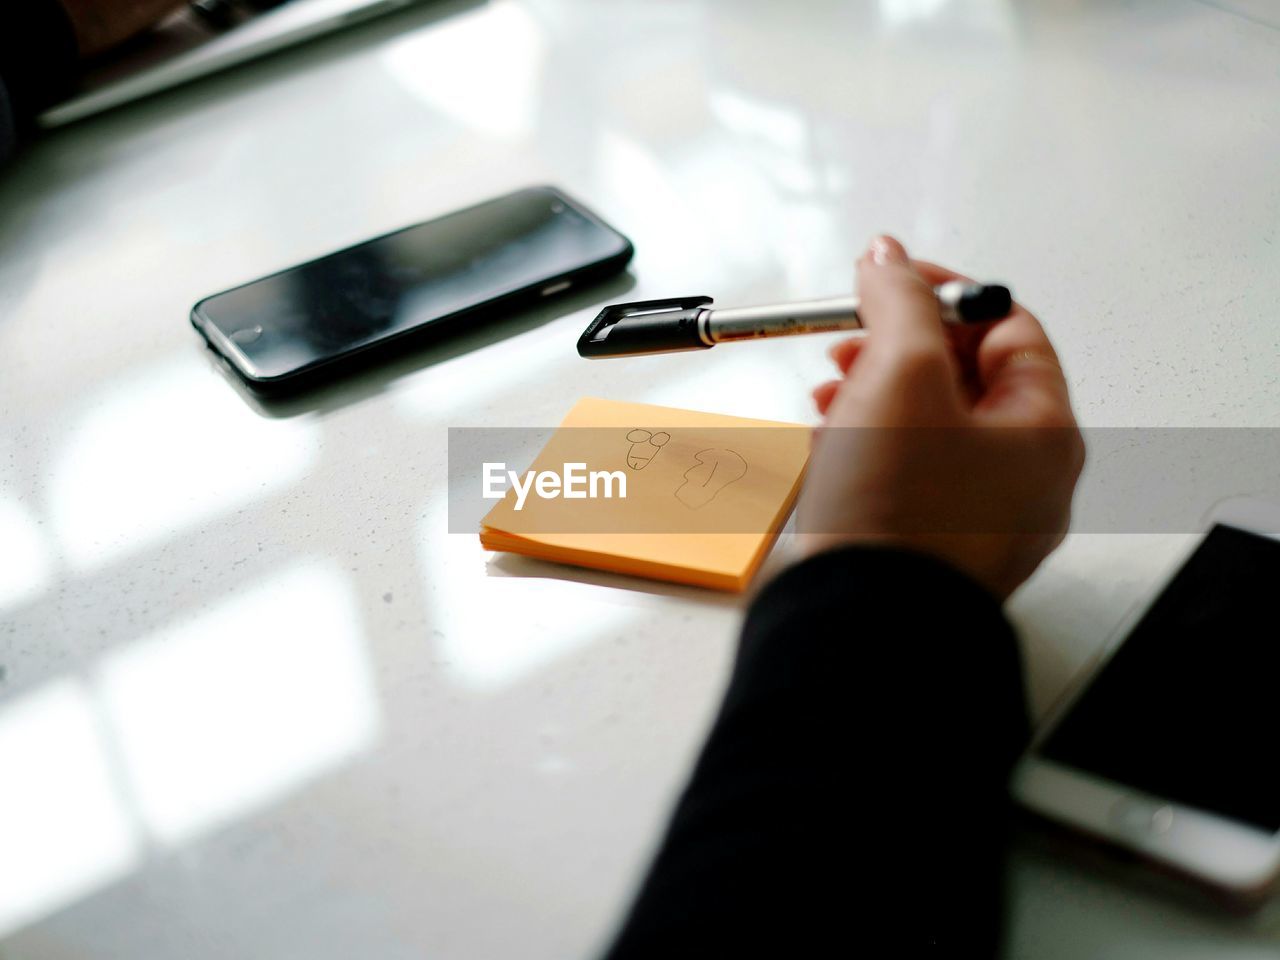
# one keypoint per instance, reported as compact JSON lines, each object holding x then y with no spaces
{"x":705,"y":494}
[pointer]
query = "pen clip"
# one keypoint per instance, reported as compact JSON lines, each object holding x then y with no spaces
{"x":646,"y":326}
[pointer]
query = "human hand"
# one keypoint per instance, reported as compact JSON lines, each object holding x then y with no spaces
{"x":957,"y":442}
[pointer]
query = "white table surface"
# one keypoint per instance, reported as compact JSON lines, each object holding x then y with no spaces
{"x":256,"y":702}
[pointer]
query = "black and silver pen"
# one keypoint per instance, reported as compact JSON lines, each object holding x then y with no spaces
{"x":665,"y":326}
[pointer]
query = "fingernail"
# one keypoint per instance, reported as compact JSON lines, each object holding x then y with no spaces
{"x":886,"y":250}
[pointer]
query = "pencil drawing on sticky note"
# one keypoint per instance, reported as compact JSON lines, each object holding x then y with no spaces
{"x":713,"y":470}
{"x":644,"y":446}
{"x":667,"y":526}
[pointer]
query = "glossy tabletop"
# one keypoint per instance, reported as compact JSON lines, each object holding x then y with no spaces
{"x":256,"y":701}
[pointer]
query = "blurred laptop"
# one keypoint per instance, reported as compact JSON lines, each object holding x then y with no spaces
{"x":194,"y":43}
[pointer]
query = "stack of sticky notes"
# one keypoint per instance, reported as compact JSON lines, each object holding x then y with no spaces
{"x":656,"y":492}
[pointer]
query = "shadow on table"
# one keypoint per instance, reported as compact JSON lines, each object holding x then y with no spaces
{"x":375,"y":375}
{"x":515,"y":565}
{"x":1073,"y":870}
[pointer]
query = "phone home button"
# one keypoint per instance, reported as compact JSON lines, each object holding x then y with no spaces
{"x":247,"y":334}
{"x":1140,"y":818}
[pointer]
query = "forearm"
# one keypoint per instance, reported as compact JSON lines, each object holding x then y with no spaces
{"x":856,"y":775}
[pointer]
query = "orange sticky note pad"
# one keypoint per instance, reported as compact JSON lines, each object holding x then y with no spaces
{"x":656,"y":492}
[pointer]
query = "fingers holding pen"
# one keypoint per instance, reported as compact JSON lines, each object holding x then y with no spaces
{"x":1001,"y":364}
{"x":903,"y":336}
{"x":905,"y":360}
{"x":1020,"y":376}
{"x":844,"y":352}
{"x":1006,"y":369}
{"x":823,"y":394}
{"x":897,"y":304}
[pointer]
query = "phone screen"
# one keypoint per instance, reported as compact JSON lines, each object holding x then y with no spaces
{"x":408,"y":280}
{"x":1187,"y":707}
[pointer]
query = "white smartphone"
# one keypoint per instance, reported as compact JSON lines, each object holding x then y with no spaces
{"x":1169,"y":747}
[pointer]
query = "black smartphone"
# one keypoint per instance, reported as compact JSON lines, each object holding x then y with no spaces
{"x":312,"y":322}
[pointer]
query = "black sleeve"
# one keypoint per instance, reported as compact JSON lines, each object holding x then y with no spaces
{"x":853,"y":789}
{"x":37,"y":63}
